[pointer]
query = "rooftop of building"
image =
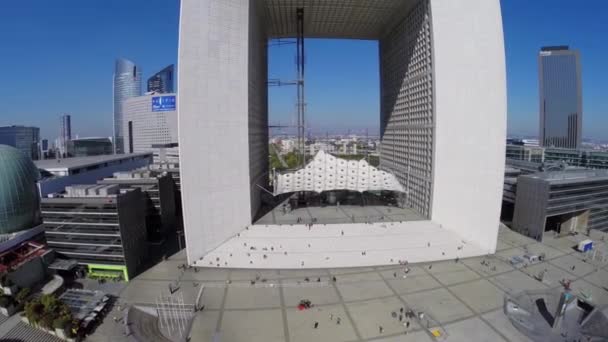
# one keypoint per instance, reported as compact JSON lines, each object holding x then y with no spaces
{"x":571,"y":176}
{"x":67,"y":164}
{"x":17,"y":126}
{"x":85,"y":303}
{"x":104,"y":139}
{"x":555,"y":48}
{"x":558,"y":149}
{"x":461,"y":300}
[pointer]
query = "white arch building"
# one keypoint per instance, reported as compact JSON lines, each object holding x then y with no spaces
{"x":443,"y":128}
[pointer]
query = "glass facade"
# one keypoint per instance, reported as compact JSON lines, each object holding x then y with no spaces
{"x":127,"y":83}
{"x":560,"y":97}
{"x":66,"y":133}
{"x":25,"y":139}
{"x":162,"y":82}
{"x":89,"y":147}
{"x":19,"y":202}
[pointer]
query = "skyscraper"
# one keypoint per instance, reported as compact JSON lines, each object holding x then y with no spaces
{"x":23,"y":138}
{"x":127,"y":83}
{"x":65,"y":134}
{"x":162,"y":81}
{"x":561,"y":102}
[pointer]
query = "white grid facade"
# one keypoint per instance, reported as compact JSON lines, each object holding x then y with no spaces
{"x":407,"y":106}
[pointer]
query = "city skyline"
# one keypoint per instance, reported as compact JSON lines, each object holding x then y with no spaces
{"x":329,"y":106}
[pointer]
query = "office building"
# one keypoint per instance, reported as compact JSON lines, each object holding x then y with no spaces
{"x":25,"y":139}
{"x":442,"y":79}
{"x":561,"y":99}
{"x":562,"y":201}
{"x":19,"y":199}
{"x":160,"y":196}
{"x":162,"y":82}
{"x":85,"y":147}
{"x":65,"y":134}
{"x":44,"y":148}
{"x":127,"y":83}
{"x":59,"y":173}
{"x":100,"y":226}
{"x":585,"y":158}
{"x":150,"y":121}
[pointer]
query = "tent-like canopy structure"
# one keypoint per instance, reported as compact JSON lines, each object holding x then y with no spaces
{"x":326,"y":172}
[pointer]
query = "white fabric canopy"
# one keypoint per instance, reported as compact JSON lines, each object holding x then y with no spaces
{"x":326,"y":172}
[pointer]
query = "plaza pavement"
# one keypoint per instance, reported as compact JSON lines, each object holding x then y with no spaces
{"x":463,"y":299}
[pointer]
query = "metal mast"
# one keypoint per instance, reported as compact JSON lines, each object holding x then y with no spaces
{"x":300,"y":84}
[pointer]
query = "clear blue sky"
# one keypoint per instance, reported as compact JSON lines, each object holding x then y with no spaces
{"x":58,"y":56}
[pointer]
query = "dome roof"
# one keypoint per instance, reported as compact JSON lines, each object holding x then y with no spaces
{"x":19,"y":201}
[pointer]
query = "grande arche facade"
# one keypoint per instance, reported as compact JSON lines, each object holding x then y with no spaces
{"x":442,"y":110}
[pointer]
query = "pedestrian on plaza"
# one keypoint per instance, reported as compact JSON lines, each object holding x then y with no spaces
{"x":316,"y":325}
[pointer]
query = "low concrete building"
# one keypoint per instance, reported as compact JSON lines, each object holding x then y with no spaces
{"x":561,"y":201}
{"x":100,"y":226}
{"x":160,"y":194}
{"x":59,"y":173}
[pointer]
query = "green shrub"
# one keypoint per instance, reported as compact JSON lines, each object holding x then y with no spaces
{"x":34,"y":311}
{"x":62,"y":322}
{"x":47,"y":321}
{"x":22,"y":295}
{"x":50,"y":302}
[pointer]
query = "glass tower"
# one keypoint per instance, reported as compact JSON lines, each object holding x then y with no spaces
{"x":66,"y":134}
{"x":127,"y":83}
{"x":25,"y":139}
{"x":561,"y":106}
{"x":162,"y":81}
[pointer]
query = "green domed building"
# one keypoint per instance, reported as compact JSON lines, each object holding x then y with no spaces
{"x":19,"y":199}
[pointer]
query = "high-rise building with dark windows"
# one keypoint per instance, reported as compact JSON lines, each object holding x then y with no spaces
{"x":561,"y":102}
{"x":23,"y":138}
{"x":66,"y":134}
{"x":127,"y":83}
{"x":162,"y":81}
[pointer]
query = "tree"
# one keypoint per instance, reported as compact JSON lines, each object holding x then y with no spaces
{"x":61,"y":322}
{"x":33,"y":311}
{"x":47,"y":321}
{"x":22,"y":295}
{"x":50,"y":303}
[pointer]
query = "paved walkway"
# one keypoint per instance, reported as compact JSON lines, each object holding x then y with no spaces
{"x":463,"y":298}
{"x":339,"y":245}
